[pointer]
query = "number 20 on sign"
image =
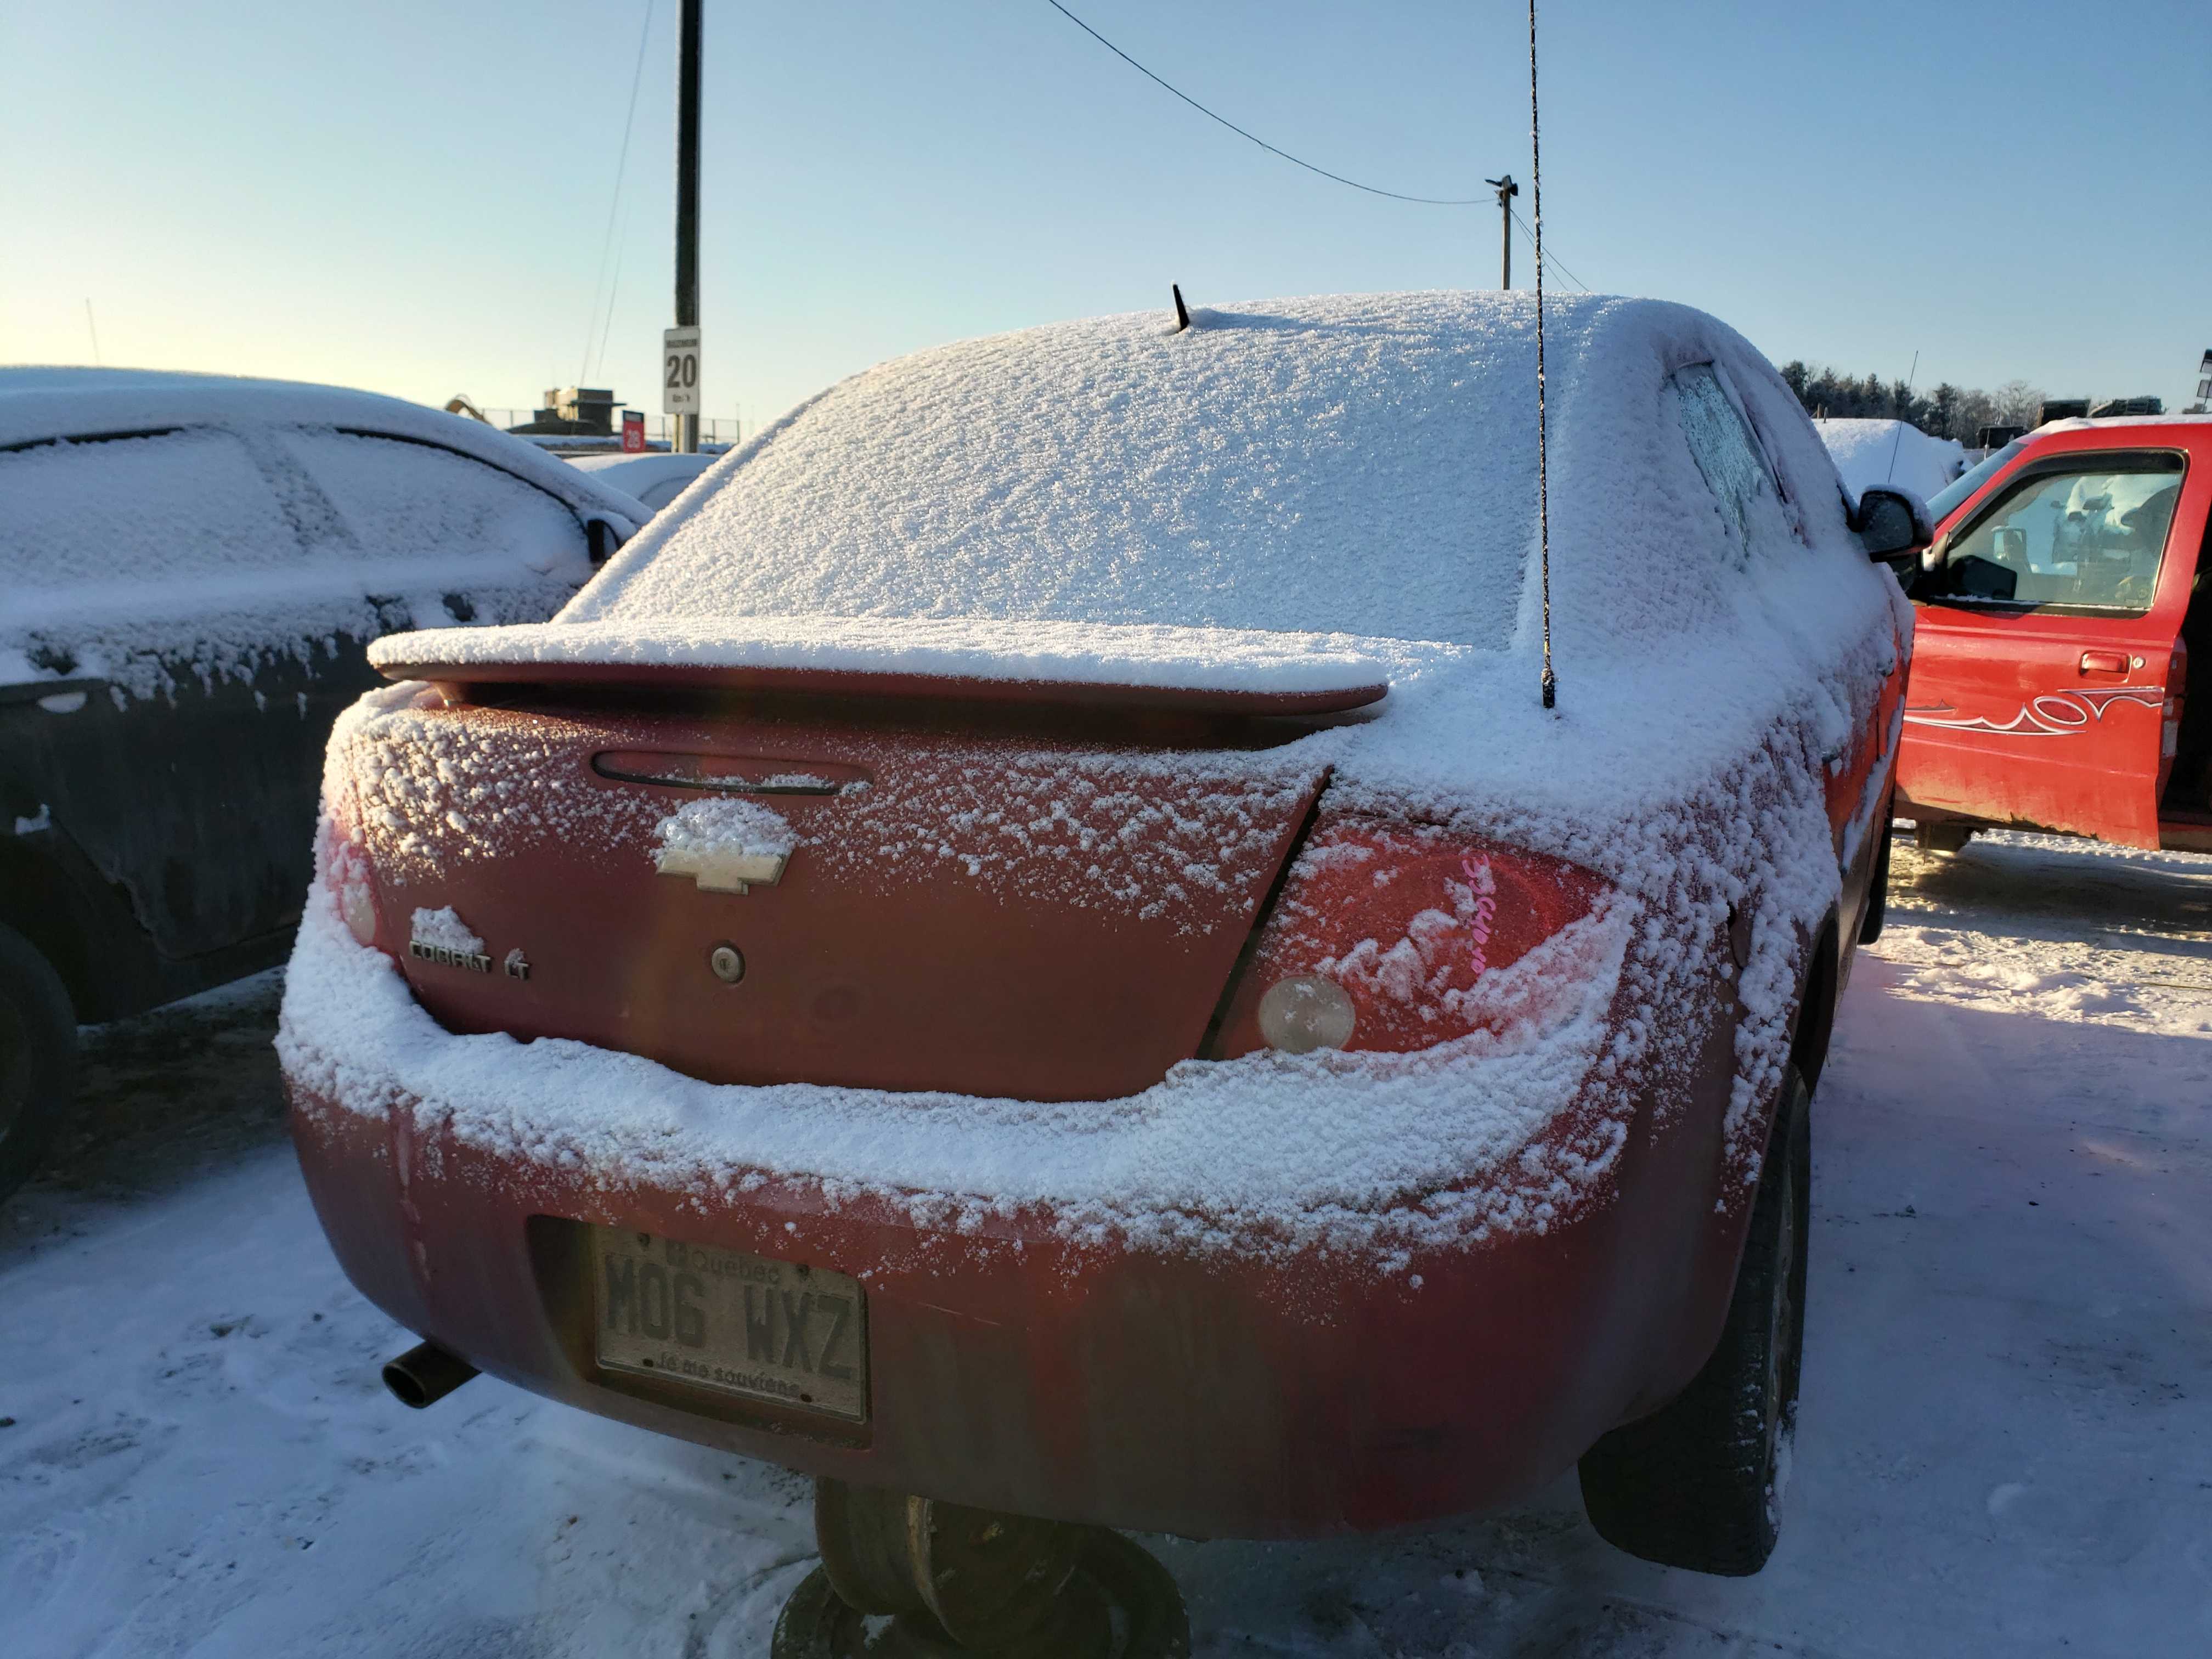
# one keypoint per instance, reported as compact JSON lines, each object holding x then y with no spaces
{"x":679,"y":371}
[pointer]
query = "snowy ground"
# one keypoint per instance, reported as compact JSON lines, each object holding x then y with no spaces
{"x":2007,"y":1431}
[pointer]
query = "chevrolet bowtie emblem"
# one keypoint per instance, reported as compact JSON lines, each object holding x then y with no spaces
{"x":723,"y":870}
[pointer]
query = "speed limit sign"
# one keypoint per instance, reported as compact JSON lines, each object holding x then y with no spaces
{"x":679,"y":371}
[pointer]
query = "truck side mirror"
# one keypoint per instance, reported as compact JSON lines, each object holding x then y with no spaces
{"x":1892,"y":523}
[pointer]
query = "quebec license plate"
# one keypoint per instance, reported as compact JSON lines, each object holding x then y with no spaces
{"x":731,"y":1322}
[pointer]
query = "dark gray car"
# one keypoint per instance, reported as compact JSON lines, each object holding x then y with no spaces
{"x":190,"y":569}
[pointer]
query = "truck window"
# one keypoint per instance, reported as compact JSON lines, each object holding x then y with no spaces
{"x":1947,"y":500}
{"x":2087,"y":535}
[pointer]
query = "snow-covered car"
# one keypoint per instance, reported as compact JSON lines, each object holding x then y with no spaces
{"x":190,"y":566}
{"x":654,"y":480}
{"x":1034,"y":945}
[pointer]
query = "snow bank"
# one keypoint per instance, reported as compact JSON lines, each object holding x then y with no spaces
{"x":1895,"y":452}
{"x":1352,"y":476}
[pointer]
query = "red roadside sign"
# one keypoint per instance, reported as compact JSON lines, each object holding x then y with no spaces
{"x":633,"y":432}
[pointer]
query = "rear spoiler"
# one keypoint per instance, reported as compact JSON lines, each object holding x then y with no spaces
{"x":1209,"y":670}
{"x":866,"y":683}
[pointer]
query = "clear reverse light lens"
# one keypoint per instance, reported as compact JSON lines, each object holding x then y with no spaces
{"x":360,"y":909}
{"x":1305,"y":1012}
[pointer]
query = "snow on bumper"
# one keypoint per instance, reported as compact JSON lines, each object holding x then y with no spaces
{"x":1374,"y":1154}
{"x":1266,"y":1298}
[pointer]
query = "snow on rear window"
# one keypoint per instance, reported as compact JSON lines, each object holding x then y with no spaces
{"x":1331,"y":465}
{"x":81,"y":516}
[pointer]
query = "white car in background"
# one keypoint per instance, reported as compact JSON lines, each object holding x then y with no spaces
{"x":191,"y":569}
{"x":656,"y":480}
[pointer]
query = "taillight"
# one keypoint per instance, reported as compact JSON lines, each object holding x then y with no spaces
{"x":1387,"y":936}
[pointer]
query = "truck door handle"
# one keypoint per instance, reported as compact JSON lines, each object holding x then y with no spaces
{"x":2103,"y":662}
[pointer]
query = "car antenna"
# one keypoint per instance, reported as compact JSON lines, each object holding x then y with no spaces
{"x":1182,"y":312}
{"x":1543,"y":483}
{"x":1910,"y":375}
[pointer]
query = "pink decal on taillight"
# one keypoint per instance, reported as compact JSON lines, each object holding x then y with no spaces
{"x":1408,"y":919}
{"x":1484,"y":886}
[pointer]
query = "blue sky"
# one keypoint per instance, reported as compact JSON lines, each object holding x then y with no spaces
{"x":412,"y":197}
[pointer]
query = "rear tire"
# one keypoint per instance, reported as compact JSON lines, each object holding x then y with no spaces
{"x":1698,"y":1485}
{"x":38,"y":1057}
{"x":1877,"y":908}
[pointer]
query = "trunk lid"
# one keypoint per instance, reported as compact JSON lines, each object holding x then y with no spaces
{"x":1025,"y":897}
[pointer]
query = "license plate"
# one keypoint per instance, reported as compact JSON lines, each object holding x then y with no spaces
{"x":731,"y":1322}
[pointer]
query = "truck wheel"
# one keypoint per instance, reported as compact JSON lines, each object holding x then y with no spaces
{"x":1877,"y":909}
{"x":38,"y":1057}
{"x":1698,"y":1485}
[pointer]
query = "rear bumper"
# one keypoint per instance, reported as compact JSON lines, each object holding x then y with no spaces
{"x":1020,"y":1364}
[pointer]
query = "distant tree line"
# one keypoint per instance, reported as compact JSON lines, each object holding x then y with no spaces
{"x":1944,"y":411}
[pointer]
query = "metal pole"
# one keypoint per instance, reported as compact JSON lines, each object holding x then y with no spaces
{"x":687,"y":195}
{"x":1507,"y":189}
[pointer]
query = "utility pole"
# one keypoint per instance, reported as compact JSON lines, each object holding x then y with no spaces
{"x":687,"y":203}
{"x":1507,"y":189}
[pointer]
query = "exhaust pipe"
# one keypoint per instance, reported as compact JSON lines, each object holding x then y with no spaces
{"x":425,"y":1374}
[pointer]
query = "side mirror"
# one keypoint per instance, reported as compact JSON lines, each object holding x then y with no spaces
{"x":1892,"y":522}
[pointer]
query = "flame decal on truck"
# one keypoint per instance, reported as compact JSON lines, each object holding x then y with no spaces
{"x":2051,"y":715}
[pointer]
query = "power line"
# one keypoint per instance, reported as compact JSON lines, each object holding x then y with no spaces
{"x":1550,"y":259}
{"x":621,"y":164}
{"x":1372,"y":189}
{"x":1253,"y":137}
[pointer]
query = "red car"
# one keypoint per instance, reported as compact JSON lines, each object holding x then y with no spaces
{"x":1036,"y":947}
{"x":2062,"y":612}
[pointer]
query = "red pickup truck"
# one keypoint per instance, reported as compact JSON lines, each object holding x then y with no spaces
{"x":2062,"y":612}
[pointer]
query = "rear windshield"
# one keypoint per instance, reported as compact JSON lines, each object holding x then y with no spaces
{"x":1269,"y":473}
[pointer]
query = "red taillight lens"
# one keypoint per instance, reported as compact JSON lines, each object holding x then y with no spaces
{"x":1406,"y":920}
